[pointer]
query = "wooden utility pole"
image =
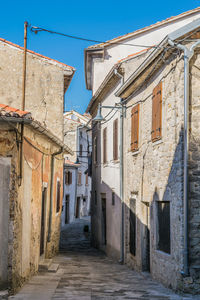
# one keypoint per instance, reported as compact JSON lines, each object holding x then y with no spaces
{"x":24,"y":66}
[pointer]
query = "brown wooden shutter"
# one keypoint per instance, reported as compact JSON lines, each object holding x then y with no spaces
{"x":156,"y":133}
{"x":70,"y":177}
{"x":135,"y":127}
{"x":115,"y":139}
{"x":58,"y":197}
{"x":66,"y":178}
{"x":86,"y":179}
{"x":105,"y":145}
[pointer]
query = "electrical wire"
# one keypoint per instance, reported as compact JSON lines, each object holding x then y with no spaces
{"x":36,"y":29}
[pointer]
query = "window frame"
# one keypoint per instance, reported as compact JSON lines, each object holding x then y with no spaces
{"x":115,"y":140}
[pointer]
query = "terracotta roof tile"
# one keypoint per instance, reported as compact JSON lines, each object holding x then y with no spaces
{"x":35,"y":53}
{"x":8,"y":111}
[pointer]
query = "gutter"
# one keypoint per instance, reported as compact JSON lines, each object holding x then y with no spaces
{"x":188,"y":54}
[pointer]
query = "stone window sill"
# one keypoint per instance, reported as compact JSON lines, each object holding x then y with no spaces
{"x":161,"y":253}
{"x":158,"y":142}
{"x":134,"y":153}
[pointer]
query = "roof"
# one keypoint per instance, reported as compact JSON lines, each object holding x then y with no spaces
{"x":8,"y":111}
{"x":111,"y":74}
{"x":11,"y":114}
{"x":69,"y":163}
{"x":155,"y":60}
{"x":35,"y":53}
{"x":136,"y":32}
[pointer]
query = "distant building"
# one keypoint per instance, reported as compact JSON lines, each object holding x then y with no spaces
{"x":77,"y":174}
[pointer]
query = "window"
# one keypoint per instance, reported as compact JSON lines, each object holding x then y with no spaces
{"x":58,"y":196}
{"x":163,"y":212}
{"x":95,"y":149}
{"x":105,"y":145}
{"x":115,"y":139}
{"x":68,"y":178}
{"x":79,"y":178}
{"x":86,"y":179}
{"x":113,"y":198}
{"x":135,"y":127}
{"x":133,"y":226}
{"x":80,"y":149}
{"x":156,"y":133}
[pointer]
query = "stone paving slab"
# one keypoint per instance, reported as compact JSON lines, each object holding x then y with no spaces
{"x":87,"y":274}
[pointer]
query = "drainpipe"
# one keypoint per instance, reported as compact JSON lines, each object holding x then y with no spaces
{"x":51,"y":193}
{"x":188,"y":53}
{"x":121,"y":172}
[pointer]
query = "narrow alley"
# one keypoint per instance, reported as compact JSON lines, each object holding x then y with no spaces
{"x":85,"y":273}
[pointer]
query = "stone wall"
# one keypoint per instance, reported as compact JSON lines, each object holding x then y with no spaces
{"x":25,"y":202}
{"x":154,"y":173}
{"x":44,"y":86}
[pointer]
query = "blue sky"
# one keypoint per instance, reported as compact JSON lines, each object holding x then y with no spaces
{"x":100,"y":20}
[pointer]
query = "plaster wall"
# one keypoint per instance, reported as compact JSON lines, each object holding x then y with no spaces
{"x":113,"y":54}
{"x":106,"y":179}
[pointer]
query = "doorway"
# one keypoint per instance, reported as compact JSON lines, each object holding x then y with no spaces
{"x":104,"y":238}
{"x":42,"y":232}
{"x":146,"y":253}
{"x":67,"y":209}
{"x":78,"y":207}
{"x":132,"y":226}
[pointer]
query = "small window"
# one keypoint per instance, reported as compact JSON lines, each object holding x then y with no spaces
{"x":135,"y":127}
{"x":115,"y":140}
{"x":105,"y":145}
{"x":58,"y":197}
{"x":80,"y":149}
{"x":86,"y":179}
{"x":95,"y":149}
{"x":68,"y":178}
{"x":113,"y":198}
{"x":79,"y":178}
{"x":156,"y":132}
{"x":163,"y":213}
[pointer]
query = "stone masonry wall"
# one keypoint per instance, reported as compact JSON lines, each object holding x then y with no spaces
{"x":44,"y":86}
{"x":154,"y":173}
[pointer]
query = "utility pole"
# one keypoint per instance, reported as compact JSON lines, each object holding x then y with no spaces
{"x":23,"y":103}
{"x":24,"y":66}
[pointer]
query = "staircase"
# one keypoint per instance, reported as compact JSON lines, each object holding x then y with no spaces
{"x":46,"y":265}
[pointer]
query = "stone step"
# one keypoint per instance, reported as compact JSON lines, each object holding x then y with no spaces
{"x":44,"y":265}
{"x":3,"y":295}
{"x":53,"y":268}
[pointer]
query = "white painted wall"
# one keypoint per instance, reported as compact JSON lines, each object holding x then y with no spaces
{"x":117,"y":52}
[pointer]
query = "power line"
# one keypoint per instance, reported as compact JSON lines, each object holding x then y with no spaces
{"x":36,"y":29}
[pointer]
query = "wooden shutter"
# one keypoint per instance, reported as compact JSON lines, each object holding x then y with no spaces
{"x":80,"y":149}
{"x":135,"y":127}
{"x":79,"y":178}
{"x":115,"y":139}
{"x":86,"y":179}
{"x":105,"y":145}
{"x":70,"y":177}
{"x":156,"y":133}
{"x":66,"y":178}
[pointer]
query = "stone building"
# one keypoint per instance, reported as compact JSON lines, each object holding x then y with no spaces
{"x":77,"y":177}
{"x":137,"y":199}
{"x":31,"y":161}
{"x":104,"y":73}
{"x":161,"y":236}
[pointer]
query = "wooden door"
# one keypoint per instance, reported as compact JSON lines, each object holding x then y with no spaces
{"x":42,"y":232}
{"x":104,"y":229}
{"x":78,"y":207}
{"x":67,"y":209}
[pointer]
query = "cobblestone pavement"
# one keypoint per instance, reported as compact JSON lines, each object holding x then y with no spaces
{"x":87,"y":274}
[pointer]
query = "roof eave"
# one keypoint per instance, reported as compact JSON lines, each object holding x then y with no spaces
{"x":174,"y":36}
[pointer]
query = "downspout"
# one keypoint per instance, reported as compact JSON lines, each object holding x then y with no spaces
{"x":121,"y":172}
{"x":51,"y":193}
{"x":188,"y":53}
